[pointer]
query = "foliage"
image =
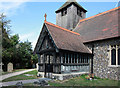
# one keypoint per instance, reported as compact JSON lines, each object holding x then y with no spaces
{"x":34,"y":58}
{"x":4,"y":25}
{"x":13,"y":50}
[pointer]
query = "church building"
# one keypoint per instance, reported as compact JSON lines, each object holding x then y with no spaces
{"x":78,"y":45}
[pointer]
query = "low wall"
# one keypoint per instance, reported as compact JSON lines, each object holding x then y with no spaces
{"x":61,"y":76}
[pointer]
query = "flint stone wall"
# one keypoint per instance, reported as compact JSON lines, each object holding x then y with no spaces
{"x":101,"y":67}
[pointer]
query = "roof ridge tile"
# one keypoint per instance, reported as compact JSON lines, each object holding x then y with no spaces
{"x":100,"y":14}
{"x":61,"y":28}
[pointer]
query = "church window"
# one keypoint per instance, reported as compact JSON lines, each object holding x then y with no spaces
{"x":64,"y":12}
{"x":79,"y":12}
{"x":115,"y":55}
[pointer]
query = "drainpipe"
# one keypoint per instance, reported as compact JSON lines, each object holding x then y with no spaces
{"x":92,"y":59}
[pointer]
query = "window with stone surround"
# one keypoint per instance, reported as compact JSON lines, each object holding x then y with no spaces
{"x":114,"y":55}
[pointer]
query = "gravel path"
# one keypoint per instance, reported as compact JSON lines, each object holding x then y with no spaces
{"x":23,"y":81}
{"x":2,"y":77}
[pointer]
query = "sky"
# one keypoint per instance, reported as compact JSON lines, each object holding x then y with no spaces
{"x":27,"y":17}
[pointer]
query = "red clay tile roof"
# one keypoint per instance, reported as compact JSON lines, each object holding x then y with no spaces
{"x":101,"y":26}
{"x":66,"y":39}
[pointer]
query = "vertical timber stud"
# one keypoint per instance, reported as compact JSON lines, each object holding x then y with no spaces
{"x":80,"y":58}
{"x":54,"y":62}
{"x":77,"y":58}
{"x":44,"y":65}
{"x":74,"y":58}
{"x":61,"y":56}
{"x":39,"y":57}
{"x":68,"y":57}
{"x":92,"y":59}
{"x":49,"y":59}
{"x":65,"y":57}
{"x":59,"y":63}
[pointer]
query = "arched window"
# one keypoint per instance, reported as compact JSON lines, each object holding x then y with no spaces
{"x":113,"y":57}
{"x":119,"y":56}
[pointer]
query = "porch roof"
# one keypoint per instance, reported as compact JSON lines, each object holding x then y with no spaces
{"x":65,"y":39}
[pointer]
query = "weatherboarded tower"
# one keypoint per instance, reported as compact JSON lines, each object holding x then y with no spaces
{"x":69,"y":14}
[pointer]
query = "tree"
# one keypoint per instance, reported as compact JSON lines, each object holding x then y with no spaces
{"x":13,"y":50}
{"x":34,"y":59}
{"x":25,"y":52}
{"x":14,"y":45}
{"x":5,"y":26}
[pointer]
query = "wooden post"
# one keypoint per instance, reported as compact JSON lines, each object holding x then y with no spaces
{"x":80,"y":58}
{"x":71,"y":58}
{"x":39,"y":58}
{"x":68,"y":57}
{"x":49,"y":59}
{"x":84,"y":59}
{"x":54,"y":61}
{"x":92,"y":59}
{"x":44,"y":65}
{"x":65,"y":57}
{"x":77,"y":58}
{"x":60,"y":64}
{"x":74,"y":58}
{"x":61,"y":56}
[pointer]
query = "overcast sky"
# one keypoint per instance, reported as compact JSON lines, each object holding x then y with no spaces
{"x":27,"y":17}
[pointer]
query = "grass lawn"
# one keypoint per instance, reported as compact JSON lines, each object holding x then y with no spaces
{"x":15,"y":70}
{"x":33,"y":75}
{"x":82,"y":81}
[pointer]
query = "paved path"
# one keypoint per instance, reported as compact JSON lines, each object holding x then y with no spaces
{"x":14,"y":74}
{"x":23,"y":81}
